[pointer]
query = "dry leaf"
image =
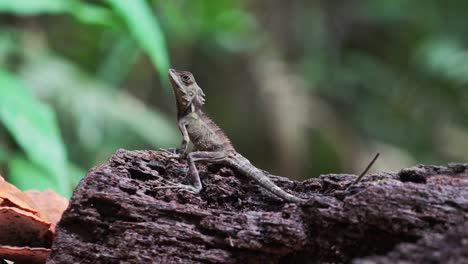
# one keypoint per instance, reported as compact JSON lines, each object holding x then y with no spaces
{"x":21,"y":228}
{"x":25,"y":254}
{"x":27,"y":222}
{"x":12,"y":196}
{"x":48,"y":203}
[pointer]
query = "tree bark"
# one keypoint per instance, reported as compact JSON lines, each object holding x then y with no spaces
{"x":117,"y":216}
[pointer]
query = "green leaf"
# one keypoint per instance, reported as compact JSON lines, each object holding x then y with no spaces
{"x":84,"y":12}
{"x":444,"y":57}
{"x":75,"y":174}
{"x":3,"y":153}
{"x":103,"y":120}
{"x":26,"y":175}
{"x":28,"y":7}
{"x":88,"y":13}
{"x":146,"y":30}
{"x":33,"y":126}
{"x":116,"y":65}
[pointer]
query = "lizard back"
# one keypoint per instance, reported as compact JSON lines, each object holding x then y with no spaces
{"x":205,"y":134}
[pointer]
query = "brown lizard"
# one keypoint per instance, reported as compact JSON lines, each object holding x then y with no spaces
{"x":209,"y":141}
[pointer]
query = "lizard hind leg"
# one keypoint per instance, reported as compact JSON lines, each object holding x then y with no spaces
{"x":193,"y":157}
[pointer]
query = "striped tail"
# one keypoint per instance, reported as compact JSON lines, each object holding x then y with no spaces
{"x":246,"y":168}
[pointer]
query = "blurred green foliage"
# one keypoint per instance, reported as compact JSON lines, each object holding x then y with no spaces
{"x":302,"y":87}
{"x":32,"y":124}
{"x":34,"y":127}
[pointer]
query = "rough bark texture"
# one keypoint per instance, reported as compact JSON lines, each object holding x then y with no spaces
{"x":448,"y":248}
{"x":116,"y":216}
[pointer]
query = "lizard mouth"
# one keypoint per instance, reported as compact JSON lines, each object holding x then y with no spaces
{"x":176,"y":84}
{"x":177,"y":88}
{"x":174,"y":78}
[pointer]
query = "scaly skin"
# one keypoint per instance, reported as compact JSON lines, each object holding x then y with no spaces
{"x":210,"y":142}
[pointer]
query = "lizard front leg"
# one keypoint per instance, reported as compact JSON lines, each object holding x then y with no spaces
{"x":185,"y":139}
{"x":193,"y":157}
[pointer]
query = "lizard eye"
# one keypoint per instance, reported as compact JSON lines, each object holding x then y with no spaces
{"x":185,"y":78}
{"x":190,"y":93}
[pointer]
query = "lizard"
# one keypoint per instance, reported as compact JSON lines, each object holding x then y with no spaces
{"x":210,"y":143}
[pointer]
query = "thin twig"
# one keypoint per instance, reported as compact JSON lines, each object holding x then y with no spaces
{"x":365,"y":171}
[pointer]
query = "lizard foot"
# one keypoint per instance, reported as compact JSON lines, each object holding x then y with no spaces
{"x":172,"y":151}
{"x":189,"y":188}
{"x":175,"y":152}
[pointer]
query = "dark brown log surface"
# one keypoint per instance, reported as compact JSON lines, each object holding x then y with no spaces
{"x":116,"y":216}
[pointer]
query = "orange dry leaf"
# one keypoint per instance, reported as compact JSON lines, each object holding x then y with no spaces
{"x":21,"y":228}
{"x":25,"y":254}
{"x":24,"y":236}
{"x":49,"y":204}
{"x":10,"y":195}
{"x":27,"y":222}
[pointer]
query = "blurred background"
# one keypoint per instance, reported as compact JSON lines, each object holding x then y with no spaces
{"x":301,"y":87}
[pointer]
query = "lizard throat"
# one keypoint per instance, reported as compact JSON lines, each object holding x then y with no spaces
{"x":190,"y":108}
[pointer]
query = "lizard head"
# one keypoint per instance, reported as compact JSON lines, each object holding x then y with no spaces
{"x":186,"y":91}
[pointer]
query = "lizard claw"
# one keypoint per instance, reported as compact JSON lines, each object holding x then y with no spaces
{"x":172,"y":150}
{"x":175,"y":151}
{"x":169,"y":150}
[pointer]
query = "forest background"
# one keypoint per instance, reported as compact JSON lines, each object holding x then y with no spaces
{"x":301,"y":87}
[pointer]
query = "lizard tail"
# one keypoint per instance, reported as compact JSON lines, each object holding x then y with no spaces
{"x":246,"y":168}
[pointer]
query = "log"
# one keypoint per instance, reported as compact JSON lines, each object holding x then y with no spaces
{"x":117,"y":216}
{"x":449,"y":248}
